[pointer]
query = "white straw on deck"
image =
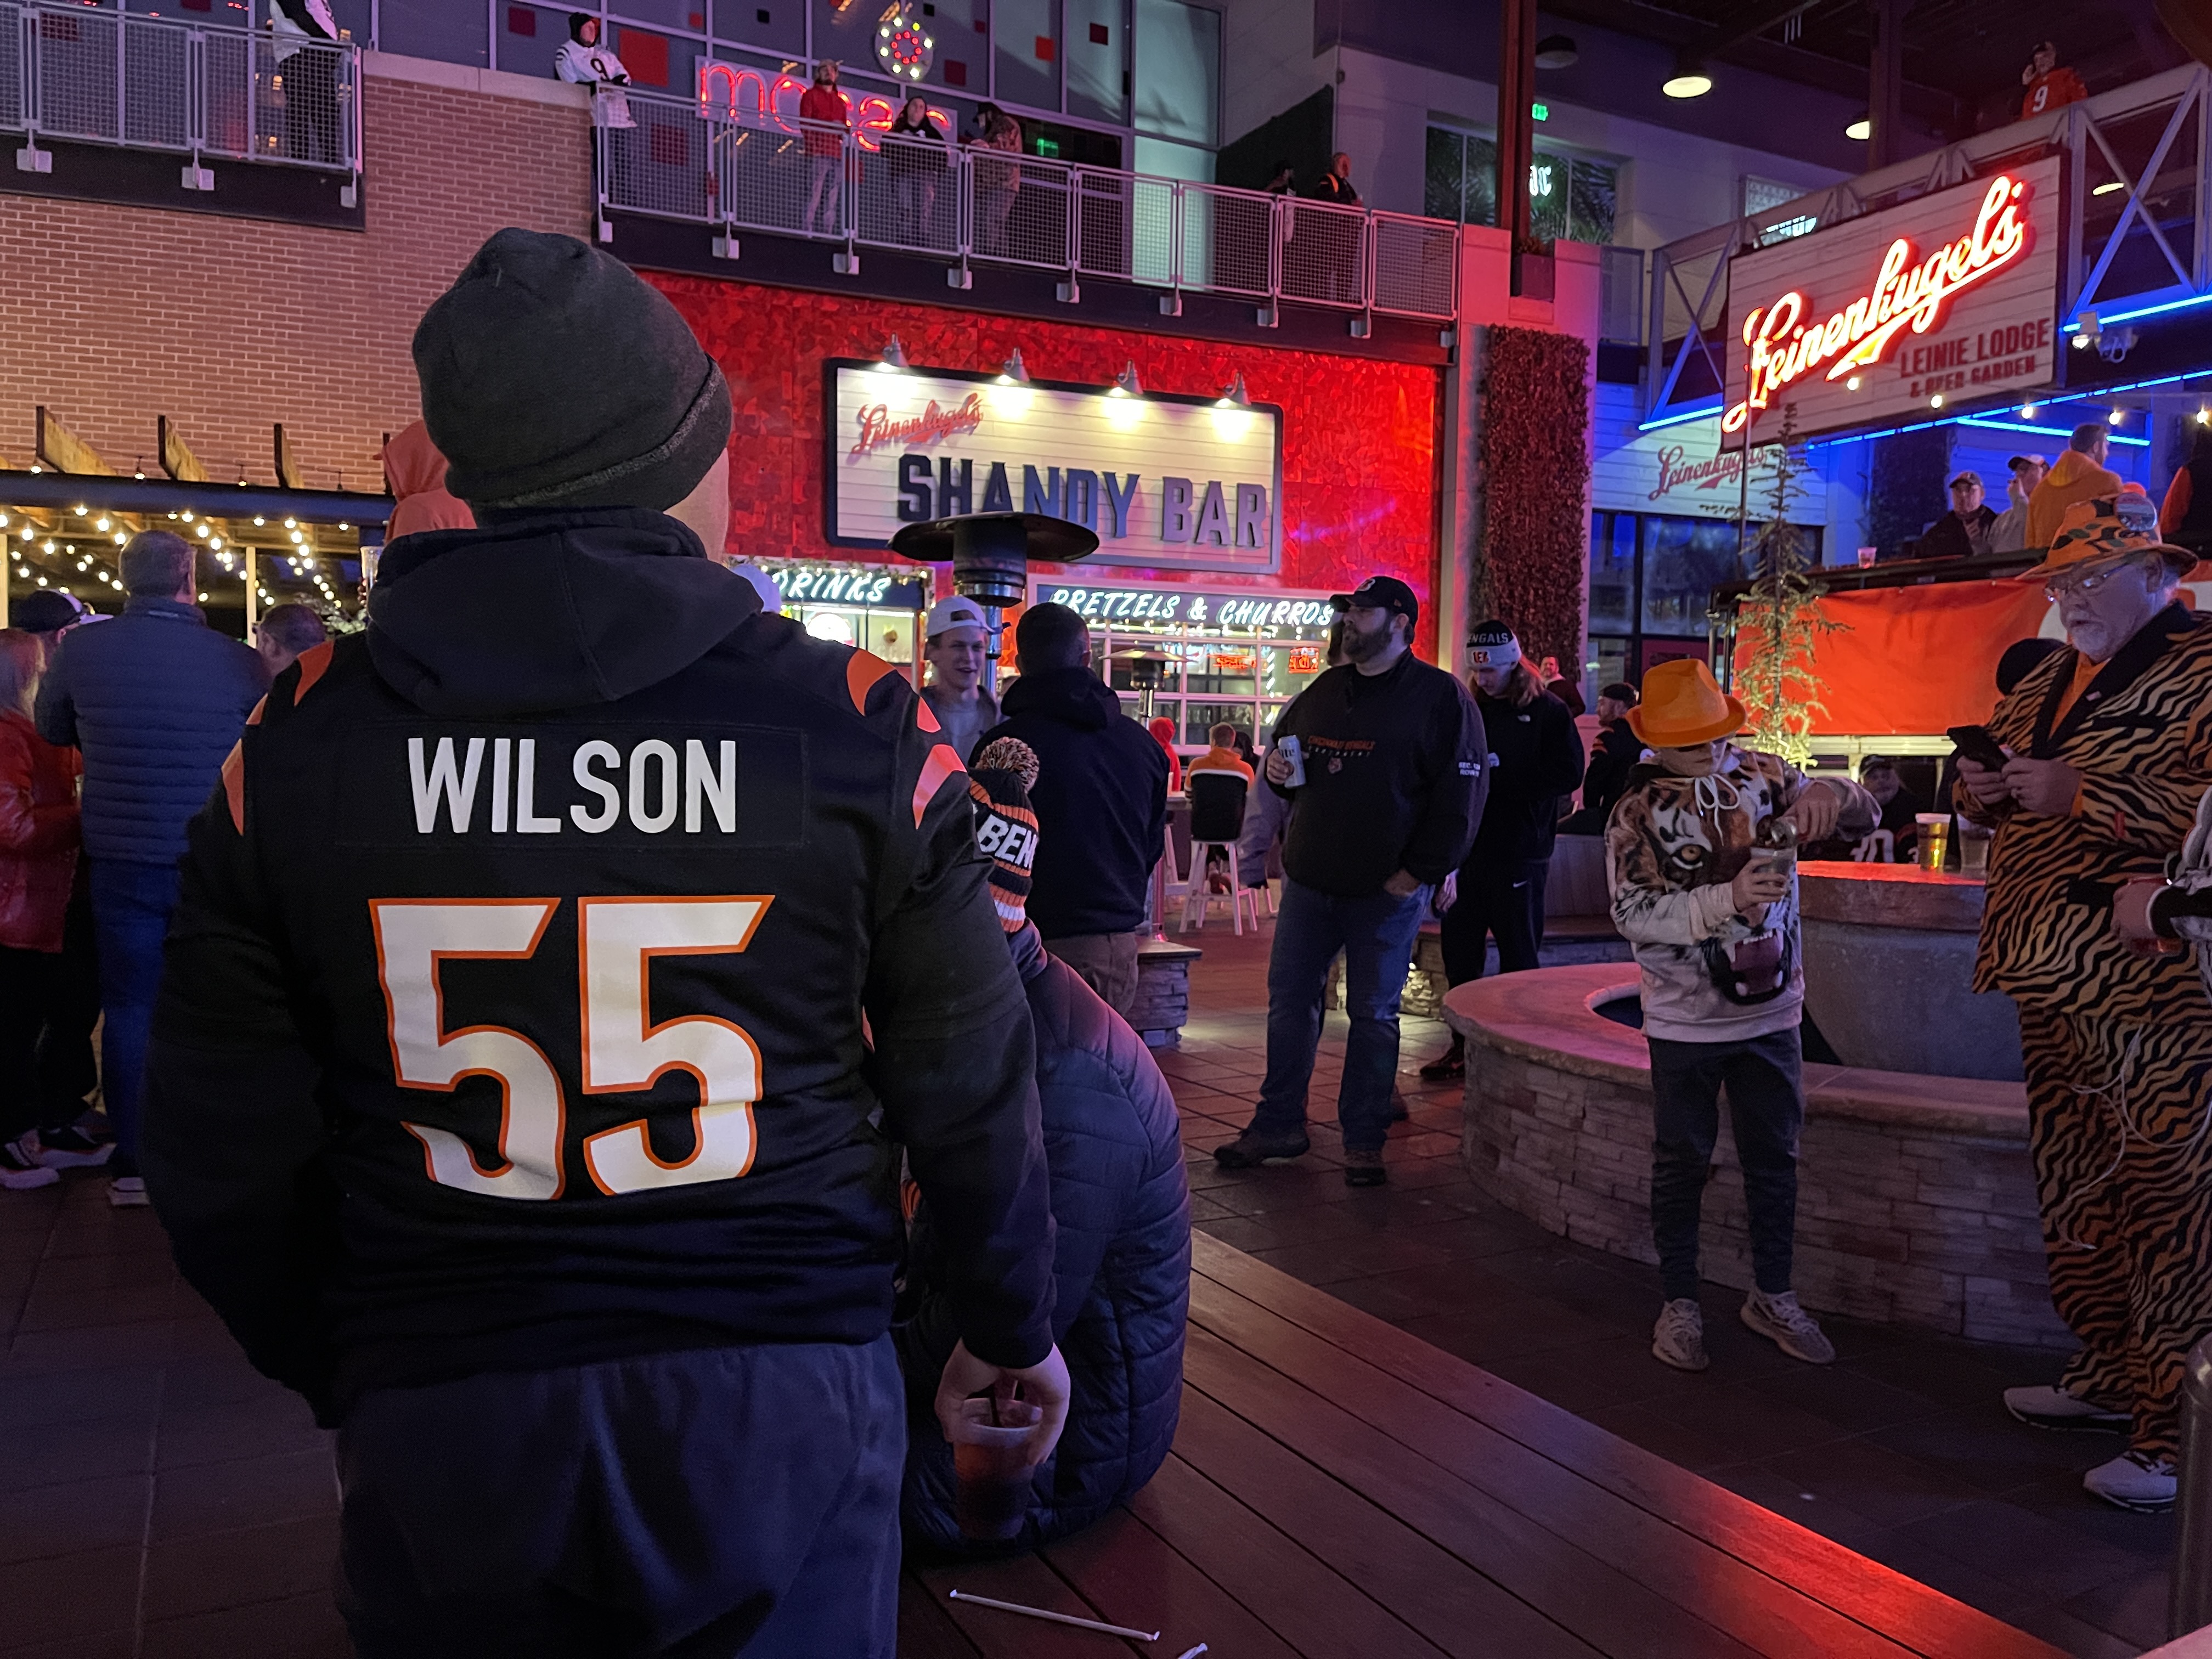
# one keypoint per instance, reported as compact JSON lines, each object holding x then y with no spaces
{"x":1058,"y":1617}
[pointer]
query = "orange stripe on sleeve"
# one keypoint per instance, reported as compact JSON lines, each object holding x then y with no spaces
{"x":862,"y":671}
{"x":943,"y":762}
{"x":924,"y":716}
{"x":254,"y":719}
{"x":314,"y":663}
{"x":233,"y":784}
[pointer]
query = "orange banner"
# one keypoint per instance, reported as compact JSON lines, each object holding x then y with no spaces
{"x":1915,"y":660}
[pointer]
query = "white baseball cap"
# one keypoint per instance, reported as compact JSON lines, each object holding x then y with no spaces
{"x":954,"y":612}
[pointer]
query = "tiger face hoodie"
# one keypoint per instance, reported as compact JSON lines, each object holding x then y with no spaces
{"x":1672,"y":847}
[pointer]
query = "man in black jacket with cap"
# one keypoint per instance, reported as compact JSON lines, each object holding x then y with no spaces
{"x":557,"y":966}
{"x":1391,"y":752}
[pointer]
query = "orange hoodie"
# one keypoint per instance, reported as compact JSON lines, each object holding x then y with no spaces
{"x":416,"y":472}
{"x":2075,"y":478}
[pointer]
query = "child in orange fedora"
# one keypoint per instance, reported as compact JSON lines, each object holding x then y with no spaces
{"x":1716,"y":935}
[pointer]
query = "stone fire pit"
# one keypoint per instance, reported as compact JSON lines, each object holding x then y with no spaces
{"x":1916,"y":1206}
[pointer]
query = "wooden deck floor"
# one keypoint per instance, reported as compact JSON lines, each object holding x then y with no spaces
{"x":1339,"y":1488}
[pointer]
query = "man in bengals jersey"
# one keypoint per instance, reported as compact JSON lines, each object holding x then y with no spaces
{"x":2108,"y":756}
{"x":2049,"y":86}
{"x":561,"y":966}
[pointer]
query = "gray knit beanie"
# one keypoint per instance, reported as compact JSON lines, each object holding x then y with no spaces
{"x":552,"y":376}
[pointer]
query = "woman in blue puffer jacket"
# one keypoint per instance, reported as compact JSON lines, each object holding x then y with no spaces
{"x":1121,"y":1206}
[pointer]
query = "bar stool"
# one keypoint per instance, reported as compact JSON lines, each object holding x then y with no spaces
{"x":1216,"y":819}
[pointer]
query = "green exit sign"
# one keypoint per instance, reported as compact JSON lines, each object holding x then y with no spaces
{"x":1541,"y":112}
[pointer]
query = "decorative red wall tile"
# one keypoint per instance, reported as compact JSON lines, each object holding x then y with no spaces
{"x":1361,"y":437}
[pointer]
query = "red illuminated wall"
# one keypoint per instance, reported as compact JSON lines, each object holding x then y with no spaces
{"x":1359,"y":436}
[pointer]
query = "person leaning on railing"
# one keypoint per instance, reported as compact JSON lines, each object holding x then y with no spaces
{"x":822,"y":106}
{"x":995,"y":181}
{"x":916,"y":153}
{"x":311,"y":78}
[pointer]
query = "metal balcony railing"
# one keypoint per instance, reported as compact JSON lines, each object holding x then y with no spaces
{"x":199,"y":89}
{"x":739,"y":168}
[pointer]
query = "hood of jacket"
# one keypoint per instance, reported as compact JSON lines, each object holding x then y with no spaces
{"x":544,"y":611}
{"x":2072,"y":468}
{"x":416,"y":472}
{"x":1075,"y":695}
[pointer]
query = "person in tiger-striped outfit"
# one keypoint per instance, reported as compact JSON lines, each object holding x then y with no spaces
{"x":2110,"y":756}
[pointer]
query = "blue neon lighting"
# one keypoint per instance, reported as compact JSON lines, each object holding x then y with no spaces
{"x":2103,"y":321}
{"x":2046,"y":431}
{"x":1700,"y":412}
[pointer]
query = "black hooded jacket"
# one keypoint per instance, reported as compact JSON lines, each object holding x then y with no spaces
{"x":556,"y":966}
{"x":1101,"y":799}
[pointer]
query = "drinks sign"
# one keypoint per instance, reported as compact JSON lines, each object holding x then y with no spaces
{"x":1945,"y":300}
{"x":1182,"y":481}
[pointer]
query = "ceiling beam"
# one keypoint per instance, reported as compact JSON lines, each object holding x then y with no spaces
{"x":1932,"y":105}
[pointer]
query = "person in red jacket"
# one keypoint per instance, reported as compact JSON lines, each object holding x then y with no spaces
{"x":2049,"y":86}
{"x":822,"y":106}
{"x":38,"y":862}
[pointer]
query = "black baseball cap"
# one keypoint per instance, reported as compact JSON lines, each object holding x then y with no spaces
{"x":1380,"y":593}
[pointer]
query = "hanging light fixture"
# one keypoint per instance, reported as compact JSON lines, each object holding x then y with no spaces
{"x":894,"y":357}
{"x":1861,"y":130}
{"x":1126,"y":385}
{"x":1014,"y":373}
{"x":1689,"y":80}
{"x":1234,"y":396}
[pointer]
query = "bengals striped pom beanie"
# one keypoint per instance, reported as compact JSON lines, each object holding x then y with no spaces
{"x":999,"y":780}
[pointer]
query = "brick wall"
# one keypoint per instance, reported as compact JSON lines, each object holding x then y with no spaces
{"x":113,"y":315}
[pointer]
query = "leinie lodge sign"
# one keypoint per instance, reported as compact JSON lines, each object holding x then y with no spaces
{"x":1164,"y":480}
{"x":1943,"y":300}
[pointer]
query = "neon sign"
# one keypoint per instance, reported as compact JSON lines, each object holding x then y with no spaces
{"x":728,"y":92}
{"x":1908,"y":293}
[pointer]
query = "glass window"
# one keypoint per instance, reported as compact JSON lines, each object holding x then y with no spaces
{"x":1440,"y":191}
{"x":687,"y":15}
{"x":1606,"y":662}
{"x":1025,"y":53}
{"x":435,"y":29}
{"x":1547,"y":198}
{"x":1226,"y":667}
{"x":528,"y":37}
{"x":1684,"y":560}
{"x":1097,"y":59}
{"x":962,"y":29}
{"x":779,"y":25}
{"x":1199,"y":718}
{"x":1481,"y":181}
{"x":1178,"y":71}
{"x":661,"y":62}
{"x":1592,"y":188}
{"x":1613,"y":571}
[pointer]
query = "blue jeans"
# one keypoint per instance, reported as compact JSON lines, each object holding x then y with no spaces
{"x":701,"y":1503}
{"x":1765,"y":1080}
{"x":1376,"y":935}
{"x":130,"y":907}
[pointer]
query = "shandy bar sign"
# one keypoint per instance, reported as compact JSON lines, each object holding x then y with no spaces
{"x":1164,"y":480}
{"x":1947,"y":299}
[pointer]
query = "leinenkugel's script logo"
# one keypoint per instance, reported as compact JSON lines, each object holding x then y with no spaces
{"x":1678,"y":471}
{"x":878,"y":427}
{"x":1908,"y":293}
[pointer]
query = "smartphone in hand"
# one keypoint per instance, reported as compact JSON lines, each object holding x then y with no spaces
{"x":1975,"y":743}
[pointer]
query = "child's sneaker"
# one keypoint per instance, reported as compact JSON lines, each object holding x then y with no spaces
{"x":127,"y":1192}
{"x":1788,"y":1326}
{"x":18,"y":1173}
{"x":1679,"y":1338}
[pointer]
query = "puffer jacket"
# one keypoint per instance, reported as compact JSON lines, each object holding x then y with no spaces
{"x":38,"y":835}
{"x":1122,"y":1265}
{"x":154,"y":698}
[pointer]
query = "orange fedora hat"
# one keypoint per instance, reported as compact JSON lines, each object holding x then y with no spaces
{"x":1683,"y":705}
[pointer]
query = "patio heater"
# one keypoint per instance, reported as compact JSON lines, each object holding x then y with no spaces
{"x":1146,"y":671}
{"x":991,"y":553}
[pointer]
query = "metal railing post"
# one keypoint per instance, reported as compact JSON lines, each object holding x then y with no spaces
{"x":2190,"y":1606}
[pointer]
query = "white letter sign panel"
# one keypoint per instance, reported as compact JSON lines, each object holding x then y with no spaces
{"x":1165,"y":481}
{"x":1952,"y":296}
